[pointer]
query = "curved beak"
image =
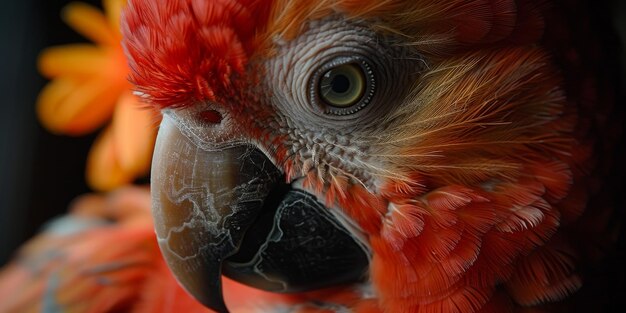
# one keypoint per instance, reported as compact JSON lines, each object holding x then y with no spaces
{"x":221,"y":207}
{"x":203,"y":203}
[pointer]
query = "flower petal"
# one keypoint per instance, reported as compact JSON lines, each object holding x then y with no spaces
{"x":74,"y":108}
{"x":75,"y":60}
{"x":81,"y":61}
{"x":134,"y":132}
{"x":113,"y":10}
{"x":90,"y":22}
{"x":103,"y":168}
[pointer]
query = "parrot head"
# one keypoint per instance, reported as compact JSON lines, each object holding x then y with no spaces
{"x":420,"y":147}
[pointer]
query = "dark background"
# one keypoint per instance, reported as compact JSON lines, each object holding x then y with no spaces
{"x":40,"y":173}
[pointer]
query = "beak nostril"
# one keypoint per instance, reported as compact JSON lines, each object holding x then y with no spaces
{"x":211,"y":116}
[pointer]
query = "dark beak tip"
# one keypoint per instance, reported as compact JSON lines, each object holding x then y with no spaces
{"x":216,"y":305}
{"x":202,"y":282}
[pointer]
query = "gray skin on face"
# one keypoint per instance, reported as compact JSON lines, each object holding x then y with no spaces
{"x":340,"y":143}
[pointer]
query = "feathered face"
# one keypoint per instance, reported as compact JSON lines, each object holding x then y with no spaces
{"x":418,"y":146}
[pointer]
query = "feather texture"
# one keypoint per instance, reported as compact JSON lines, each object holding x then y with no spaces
{"x":484,"y":184}
{"x":157,"y":37}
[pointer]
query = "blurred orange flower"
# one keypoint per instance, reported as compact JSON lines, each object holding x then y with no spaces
{"x":89,"y":88}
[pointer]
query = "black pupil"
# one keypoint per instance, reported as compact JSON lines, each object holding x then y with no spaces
{"x":340,"y":83}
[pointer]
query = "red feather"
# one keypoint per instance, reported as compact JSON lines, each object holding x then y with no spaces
{"x":157,"y":37}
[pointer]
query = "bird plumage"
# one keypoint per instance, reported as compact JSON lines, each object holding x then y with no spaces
{"x":470,"y":174}
{"x":474,"y":185}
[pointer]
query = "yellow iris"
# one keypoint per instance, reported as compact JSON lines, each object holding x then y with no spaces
{"x":343,"y":86}
{"x":89,"y":89}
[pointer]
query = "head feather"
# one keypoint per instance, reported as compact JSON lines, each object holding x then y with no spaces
{"x":183,"y":51}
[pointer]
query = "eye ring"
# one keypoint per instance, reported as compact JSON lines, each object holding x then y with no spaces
{"x":343,"y":86}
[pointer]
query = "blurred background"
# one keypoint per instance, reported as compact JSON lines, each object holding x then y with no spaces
{"x":40,"y":173}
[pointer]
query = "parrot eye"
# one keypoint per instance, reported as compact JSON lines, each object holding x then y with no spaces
{"x":343,"y":86}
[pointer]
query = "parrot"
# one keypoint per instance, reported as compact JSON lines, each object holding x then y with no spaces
{"x":370,"y":156}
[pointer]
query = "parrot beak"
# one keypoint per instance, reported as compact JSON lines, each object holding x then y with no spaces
{"x":224,"y":208}
{"x":203,"y":201}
